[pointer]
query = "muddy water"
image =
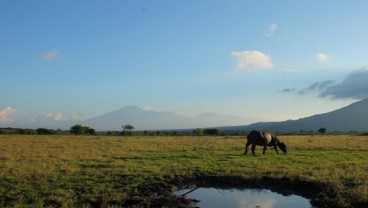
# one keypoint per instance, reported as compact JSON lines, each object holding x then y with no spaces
{"x":247,"y":198}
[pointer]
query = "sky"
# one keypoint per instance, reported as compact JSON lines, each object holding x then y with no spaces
{"x":266,"y":60}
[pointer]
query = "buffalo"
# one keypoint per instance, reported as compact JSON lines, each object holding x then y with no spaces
{"x":264,"y":138}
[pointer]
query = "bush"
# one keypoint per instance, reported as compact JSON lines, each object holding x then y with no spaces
{"x":80,"y":130}
{"x":212,"y":132}
{"x":44,"y":131}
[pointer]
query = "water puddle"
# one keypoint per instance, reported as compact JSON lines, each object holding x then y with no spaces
{"x":247,"y":198}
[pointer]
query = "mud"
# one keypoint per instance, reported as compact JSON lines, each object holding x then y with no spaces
{"x":162,"y":194}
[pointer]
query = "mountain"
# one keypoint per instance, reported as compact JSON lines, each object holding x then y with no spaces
{"x":353,"y":117}
{"x":158,"y":120}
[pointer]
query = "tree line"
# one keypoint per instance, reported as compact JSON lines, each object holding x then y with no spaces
{"x":128,"y":130}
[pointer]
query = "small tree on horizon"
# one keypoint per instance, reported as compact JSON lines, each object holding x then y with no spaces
{"x":44,"y":131}
{"x":322,"y":130}
{"x":197,"y":131}
{"x":80,"y":130}
{"x":77,"y":129}
{"x":127,"y":129}
{"x":212,"y":132}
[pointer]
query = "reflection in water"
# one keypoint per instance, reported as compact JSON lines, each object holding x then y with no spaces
{"x":247,"y":198}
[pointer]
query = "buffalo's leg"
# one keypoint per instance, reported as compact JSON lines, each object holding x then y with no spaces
{"x":253,"y":148}
{"x":275,"y":147}
{"x":246,"y":148}
{"x":264,"y":149}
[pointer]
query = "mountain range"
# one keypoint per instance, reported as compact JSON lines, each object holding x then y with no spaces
{"x":353,"y":117}
{"x":159,"y":120}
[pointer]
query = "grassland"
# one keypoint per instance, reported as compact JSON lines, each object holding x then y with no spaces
{"x":90,"y":171}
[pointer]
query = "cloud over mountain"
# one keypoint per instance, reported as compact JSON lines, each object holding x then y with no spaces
{"x":56,"y":116}
{"x":316,"y":87}
{"x":354,"y":86}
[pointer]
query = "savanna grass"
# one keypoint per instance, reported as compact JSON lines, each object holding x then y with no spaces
{"x":85,"y":171}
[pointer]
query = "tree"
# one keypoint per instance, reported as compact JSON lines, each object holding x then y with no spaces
{"x":322,"y":130}
{"x":88,"y":130}
{"x":212,"y":132}
{"x":44,"y":131}
{"x":77,"y":129}
{"x":21,"y":131}
{"x":197,"y":132}
{"x":127,"y":129}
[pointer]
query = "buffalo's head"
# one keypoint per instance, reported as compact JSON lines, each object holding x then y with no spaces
{"x":282,"y":146}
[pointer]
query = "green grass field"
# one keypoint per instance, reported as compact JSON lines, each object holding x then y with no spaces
{"x":90,"y":171}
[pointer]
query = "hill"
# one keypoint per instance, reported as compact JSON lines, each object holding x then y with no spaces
{"x":353,"y":117}
{"x":158,"y":120}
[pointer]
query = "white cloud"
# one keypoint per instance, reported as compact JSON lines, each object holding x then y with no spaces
{"x":322,"y":57}
{"x":51,"y":55}
{"x":79,"y":116}
{"x":58,"y":117}
{"x":55,"y":117}
{"x":271,"y":30}
{"x":48,"y":115}
{"x":149,"y":108}
{"x":5,"y":115}
{"x":252,"y":60}
{"x":289,"y":71}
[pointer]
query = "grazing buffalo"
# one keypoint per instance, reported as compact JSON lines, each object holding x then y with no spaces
{"x":264,"y":138}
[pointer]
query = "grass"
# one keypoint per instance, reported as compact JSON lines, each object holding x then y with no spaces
{"x":90,"y":171}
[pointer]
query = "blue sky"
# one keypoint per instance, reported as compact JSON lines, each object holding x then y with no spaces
{"x":268,"y":60}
